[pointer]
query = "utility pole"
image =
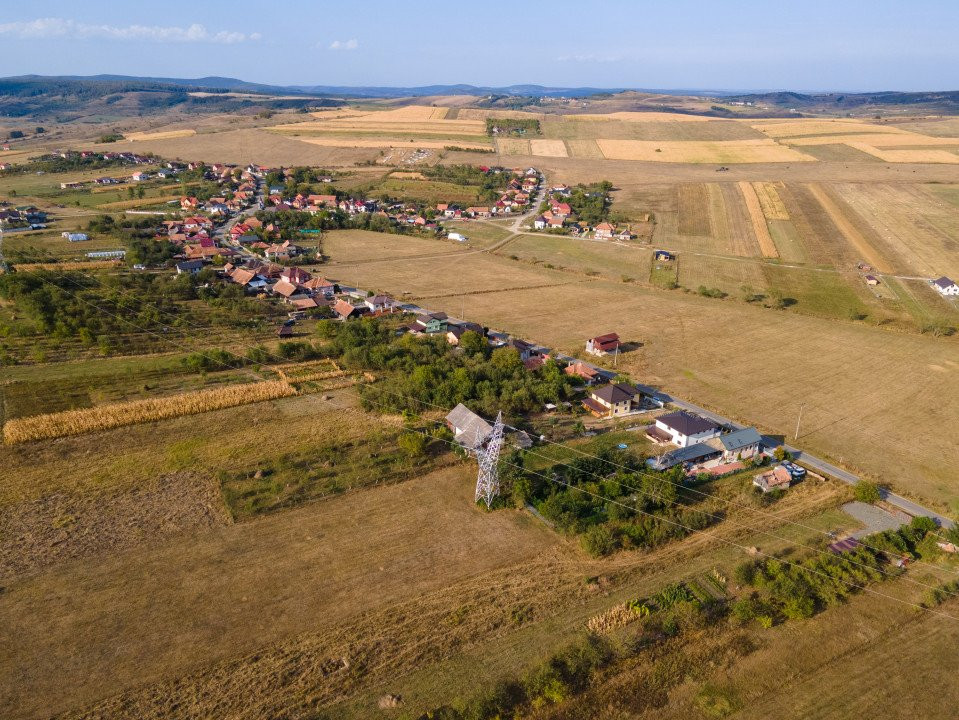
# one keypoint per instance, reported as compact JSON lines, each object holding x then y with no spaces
{"x":799,"y":420}
{"x":616,"y":355}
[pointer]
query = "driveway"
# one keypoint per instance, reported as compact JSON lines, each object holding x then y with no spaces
{"x":875,"y":519}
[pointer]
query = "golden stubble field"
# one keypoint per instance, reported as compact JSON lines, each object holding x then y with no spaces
{"x":230,"y":592}
{"x":873,"y":398}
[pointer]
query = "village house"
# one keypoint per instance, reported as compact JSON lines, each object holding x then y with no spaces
{"x":430,"y":323}
{"x":140,"y":176}
{"x":737,"y":445}
{"x":682,"y":428}
{"x":776,"y":479}
{"x":872,"y":280}
{"x":320,"y":286}
{"x":344,"y":310}
{"x":189,"y":267}
{"x":468,"y":428}
{"x":379,"y":303}
{"x":604,"y":231}
{"x":295,"y":275}
{"x":456,"y":331}
{"x":611,"y":400}
{"x":580,"y":369}
{"x":603,"y":344}
{"x":944,"y":286}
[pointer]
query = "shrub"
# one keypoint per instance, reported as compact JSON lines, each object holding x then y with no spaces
{"x":867,"y":492}
{"x":599,"y":541}
{"x":413,"y":443}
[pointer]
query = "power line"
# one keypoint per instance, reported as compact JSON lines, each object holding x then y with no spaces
{"x":645,"y":474}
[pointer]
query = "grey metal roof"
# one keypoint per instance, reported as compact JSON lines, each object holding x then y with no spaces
{"x":683,"y":454}
{"x":472,"y":427}
{"x":740,"y":439}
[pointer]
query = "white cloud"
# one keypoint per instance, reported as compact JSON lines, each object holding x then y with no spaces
{"x":350,"y":44}
{"x":62,"y":28}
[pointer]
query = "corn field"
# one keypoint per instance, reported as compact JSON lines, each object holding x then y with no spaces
{"x":105,"y":417}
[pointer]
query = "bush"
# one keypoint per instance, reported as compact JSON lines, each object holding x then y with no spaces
{"x":867,"y":492}
{"x":599,"y":541}
{"x":413,"y":444}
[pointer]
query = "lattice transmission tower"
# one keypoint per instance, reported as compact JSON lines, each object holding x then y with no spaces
{"x":487,"y":455}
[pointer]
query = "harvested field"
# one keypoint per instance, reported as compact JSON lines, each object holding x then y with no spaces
{"x":571,"y":127}
{"x":359,"y":246}
{"x":350,"y":142}
{"x":159,"y":135}
{"x":912,"y":155}
{"x":719,"y":352}
{"x":243,"y":146}
{"x":291,"y":583}
{"x":548,"y":148}
{"x":878,"y":140}
{"x":105,"y":417}
{"x":734,"y":224}
{"x":513,"y":146}
{"x":408,"y":175}
{"x":770,"y":201}
{"x":646,"y":117}
{"x":766,"y":245}
{"x":862,"y":245}
{"x":584,"y":149}
{"x":693,"y":210}
{"x":723,"y":151}
{"x":800,"y":128}
{"x":63,"y":527}
{"x":920,"y":230}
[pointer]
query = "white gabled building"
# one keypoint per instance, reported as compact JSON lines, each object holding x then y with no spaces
{"x":684,"y":428}
{"x":945,"y":286}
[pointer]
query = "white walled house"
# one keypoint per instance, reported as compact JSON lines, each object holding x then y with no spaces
{"x":684,"y":428}
{"x":945,"y":286}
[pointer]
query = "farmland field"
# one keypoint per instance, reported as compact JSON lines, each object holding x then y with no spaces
{"x":691,"y":151}
{"x":173,"y":546}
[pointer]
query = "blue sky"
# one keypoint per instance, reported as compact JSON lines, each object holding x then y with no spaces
{"x":696,"y":44}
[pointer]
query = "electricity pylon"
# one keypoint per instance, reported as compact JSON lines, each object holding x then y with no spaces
{"x":487,"y":481}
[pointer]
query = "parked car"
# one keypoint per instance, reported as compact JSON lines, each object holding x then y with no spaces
{"x":794,"y":470}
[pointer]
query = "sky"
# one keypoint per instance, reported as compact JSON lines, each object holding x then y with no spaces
{"x":809,"y":45}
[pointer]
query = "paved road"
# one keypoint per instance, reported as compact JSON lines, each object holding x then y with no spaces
{"x":821,"y":466}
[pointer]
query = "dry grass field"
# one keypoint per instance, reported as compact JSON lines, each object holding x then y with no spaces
{"x":301,"y":579}
{"x":548,"y":148}
{"x":716,"y":152}
{"x":766,"y":245}
{"x":160,"y":135}
{"x":756,"y":364}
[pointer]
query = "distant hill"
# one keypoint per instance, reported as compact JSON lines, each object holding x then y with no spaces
{"x":71,"y":97}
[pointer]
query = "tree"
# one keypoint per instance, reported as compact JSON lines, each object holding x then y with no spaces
{"x":867,"y":492}
{"x":413,"y":443}
{"x":473,"y":343}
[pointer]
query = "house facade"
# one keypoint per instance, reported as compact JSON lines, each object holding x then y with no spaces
{"x":683,"y":428}
{"x":945,"y":286}
{"x":611,"y":400}
{"x":603,"y":344}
